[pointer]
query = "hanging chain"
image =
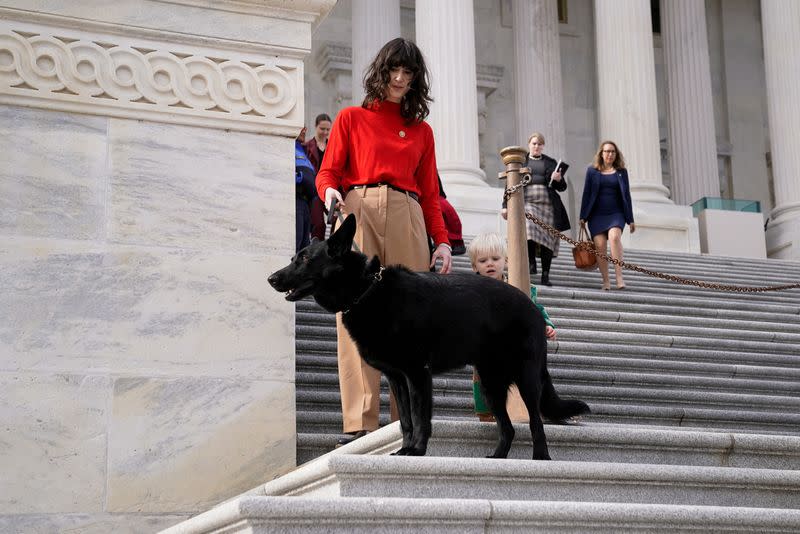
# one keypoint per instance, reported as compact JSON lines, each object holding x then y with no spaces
{"x":588,"y":245}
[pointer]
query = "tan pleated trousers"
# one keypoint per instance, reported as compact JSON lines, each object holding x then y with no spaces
{"x":389,"y":225}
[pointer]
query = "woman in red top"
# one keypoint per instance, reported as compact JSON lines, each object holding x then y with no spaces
{"x":382,"y":156}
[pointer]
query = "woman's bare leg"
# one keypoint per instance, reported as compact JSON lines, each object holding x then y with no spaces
{"x":615,"y":240}
{"x":600,"y":244}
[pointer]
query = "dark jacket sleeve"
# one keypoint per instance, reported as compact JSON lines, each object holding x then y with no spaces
{"x":627,"y":195}
{"x":587,"y":195}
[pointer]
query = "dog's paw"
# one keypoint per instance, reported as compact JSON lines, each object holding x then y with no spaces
{"x":542,"y":457}
{"x":404,"y":451}
{"x":496,"y":455}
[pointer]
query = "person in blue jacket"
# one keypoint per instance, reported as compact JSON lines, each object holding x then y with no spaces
{"x":305,"y":191}
{"x":607,"y":206}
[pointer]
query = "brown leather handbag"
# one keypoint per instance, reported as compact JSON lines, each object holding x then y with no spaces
{"x":584,"y":259}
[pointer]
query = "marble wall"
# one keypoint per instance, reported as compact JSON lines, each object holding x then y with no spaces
{"x":146,"y":367}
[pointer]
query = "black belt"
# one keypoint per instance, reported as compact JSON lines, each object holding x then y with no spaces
{"x":390,"y":186}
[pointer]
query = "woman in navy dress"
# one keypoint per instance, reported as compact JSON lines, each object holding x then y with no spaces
{"x":607,"y":206}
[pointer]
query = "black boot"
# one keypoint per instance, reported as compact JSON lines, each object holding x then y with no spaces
{"x":532,"y":256}
{"x":547,"y":259}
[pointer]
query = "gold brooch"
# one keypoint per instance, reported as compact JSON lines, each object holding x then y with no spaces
{"x":402,"y":133}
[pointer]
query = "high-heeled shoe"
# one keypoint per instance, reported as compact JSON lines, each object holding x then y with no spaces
{"x":351,"y":437}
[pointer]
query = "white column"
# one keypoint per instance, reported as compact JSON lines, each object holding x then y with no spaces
{"x":446,"y":36}
{"x":374,"y":23}
{"x":627,"y":112}
{"x":537,"y":74}
{"x":692,"y":142}
{"x":781,"y":33}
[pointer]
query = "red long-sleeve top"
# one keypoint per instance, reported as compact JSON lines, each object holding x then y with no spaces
{"x":368,"y":146}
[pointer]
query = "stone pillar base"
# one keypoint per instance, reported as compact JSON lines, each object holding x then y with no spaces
{"x":732,"y":233}
{"x":478,"y":208}
{"x":783,"y":238}
{"x":663,"y":227}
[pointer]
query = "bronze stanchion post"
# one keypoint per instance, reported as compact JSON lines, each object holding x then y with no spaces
{"x":519,"y":274}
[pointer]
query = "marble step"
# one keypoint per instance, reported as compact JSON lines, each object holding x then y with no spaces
{"x":324,"y":415}
{"x":358,"y":475}
{"x":615,"y":301}
{"x":752,"y":408}
{"x":747,"y":376}
{"x":568,"y":328}
{"x":674,"y":318}
{"x":613,"y":352}
{"x":376,"y":515}
{"x":607,"y":339}
{"x":594,"y":442}
{"x":461,"y":383}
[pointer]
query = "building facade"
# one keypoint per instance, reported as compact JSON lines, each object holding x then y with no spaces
{"x":696,"y":93}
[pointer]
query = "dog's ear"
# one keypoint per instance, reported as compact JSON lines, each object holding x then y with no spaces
{"x":342,"y":239}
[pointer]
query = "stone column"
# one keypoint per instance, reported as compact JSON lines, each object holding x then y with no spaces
{"x":627,"y":111}
{"x":537,"y":74}
{"x":781,"y":33}
{"x":627,"y":114}
{"x":375,"y":22}
{"x":690,"y":112}
{"x":446,"y":36}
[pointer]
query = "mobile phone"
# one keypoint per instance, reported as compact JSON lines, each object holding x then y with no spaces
{"x":561,"y":167}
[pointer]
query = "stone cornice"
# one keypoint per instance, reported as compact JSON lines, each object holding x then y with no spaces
{"x":93,"y":26}
{"x":74,"y":71}
{"x":310,"y":11}
{"x":488,"y":77}
{"x":333,"y":59}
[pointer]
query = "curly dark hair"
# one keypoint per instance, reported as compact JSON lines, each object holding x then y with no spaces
{"x":399,"y":53}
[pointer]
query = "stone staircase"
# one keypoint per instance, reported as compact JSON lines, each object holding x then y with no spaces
{"x":695,"y":397}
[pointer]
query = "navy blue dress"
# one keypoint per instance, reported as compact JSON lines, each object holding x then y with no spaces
{"x":608,"y":210}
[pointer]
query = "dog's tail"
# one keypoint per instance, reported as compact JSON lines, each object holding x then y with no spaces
{"x":556,"y":409}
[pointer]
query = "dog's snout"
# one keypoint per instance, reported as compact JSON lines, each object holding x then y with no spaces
{"x":272,"y":279}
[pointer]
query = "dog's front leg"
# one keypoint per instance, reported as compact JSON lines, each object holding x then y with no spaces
{"x":400,"y":389}
{"x":420,"y":388}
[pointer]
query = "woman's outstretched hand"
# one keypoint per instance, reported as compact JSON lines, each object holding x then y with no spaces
{"x":443,"y":252}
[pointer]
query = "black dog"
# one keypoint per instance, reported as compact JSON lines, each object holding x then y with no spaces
{"x":413,"y":325}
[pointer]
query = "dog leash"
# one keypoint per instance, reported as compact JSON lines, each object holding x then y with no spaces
{"x":335,"y":213}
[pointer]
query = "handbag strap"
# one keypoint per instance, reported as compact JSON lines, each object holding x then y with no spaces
{"x":583,"y":233}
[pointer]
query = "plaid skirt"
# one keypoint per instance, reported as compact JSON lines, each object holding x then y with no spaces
{"x":537,"y":202}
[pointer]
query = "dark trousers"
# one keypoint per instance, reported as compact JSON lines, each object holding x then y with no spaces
{"x":302,"y":224}
{"x":545,"y":253}
{"x":317,"y":219}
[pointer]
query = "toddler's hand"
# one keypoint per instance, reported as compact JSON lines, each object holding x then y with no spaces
{"x":550,"y":332}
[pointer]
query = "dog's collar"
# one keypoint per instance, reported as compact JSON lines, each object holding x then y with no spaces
{"x":377,"y":277}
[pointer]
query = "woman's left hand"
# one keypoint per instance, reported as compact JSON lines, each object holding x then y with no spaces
{"x":443,"y":252}
{"x":633,"y":227}
{"x":556,"y":176}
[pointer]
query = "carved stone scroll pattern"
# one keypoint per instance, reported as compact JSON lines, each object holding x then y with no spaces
{"x":142,"y":77}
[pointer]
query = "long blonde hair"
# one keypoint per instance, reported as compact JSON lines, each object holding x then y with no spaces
{"x":619,"y":161}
